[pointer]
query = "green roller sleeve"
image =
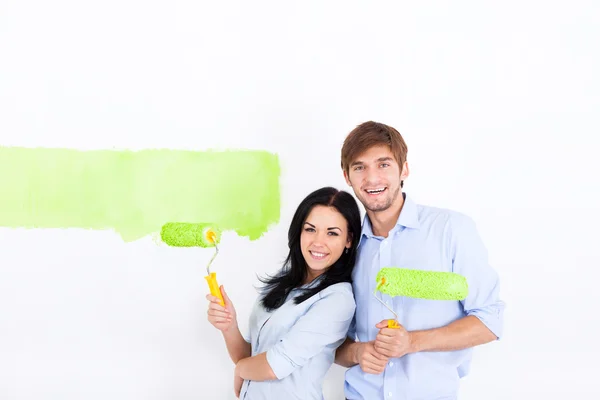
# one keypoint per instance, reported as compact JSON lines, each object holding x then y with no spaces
{"x":430,"y":285}
{"x":181,"y":234}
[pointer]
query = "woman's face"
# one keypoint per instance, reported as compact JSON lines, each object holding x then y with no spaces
{"x":323,"y":239}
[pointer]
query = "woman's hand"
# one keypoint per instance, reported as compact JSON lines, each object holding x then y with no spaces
{"x":237,"y":385}
{"x":222,"y":318}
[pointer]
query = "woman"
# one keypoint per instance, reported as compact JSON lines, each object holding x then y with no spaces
{"x":304,"y":311}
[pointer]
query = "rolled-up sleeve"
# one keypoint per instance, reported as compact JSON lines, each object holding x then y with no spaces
{"x":325,"y":324}
{"x":470,"y":259}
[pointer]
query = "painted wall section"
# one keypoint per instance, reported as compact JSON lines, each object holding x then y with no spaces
{"x":136,"y":192}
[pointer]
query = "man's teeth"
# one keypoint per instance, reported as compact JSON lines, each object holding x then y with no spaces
{"x":375,"y":191}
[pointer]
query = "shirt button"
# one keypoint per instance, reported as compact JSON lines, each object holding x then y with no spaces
{"x":390,"y":394}
{"x":391,"y":363}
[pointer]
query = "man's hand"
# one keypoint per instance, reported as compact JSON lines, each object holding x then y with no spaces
{"x":370,"y":361}
{"x":392,"y":342}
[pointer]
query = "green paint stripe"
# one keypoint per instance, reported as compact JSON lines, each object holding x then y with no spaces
{"x":136,"y":192}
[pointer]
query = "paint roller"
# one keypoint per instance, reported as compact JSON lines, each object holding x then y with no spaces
{"x":419,"y":284}
{"x":182,"y":234}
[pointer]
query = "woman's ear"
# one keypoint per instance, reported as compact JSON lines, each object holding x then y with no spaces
{"x":349,"y":240}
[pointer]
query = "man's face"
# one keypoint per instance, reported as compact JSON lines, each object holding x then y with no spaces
{"x":375,"y":178}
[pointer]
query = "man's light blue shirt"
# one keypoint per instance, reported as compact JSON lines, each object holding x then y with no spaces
{"x":300,"y":342}
{"x":424,"y":238}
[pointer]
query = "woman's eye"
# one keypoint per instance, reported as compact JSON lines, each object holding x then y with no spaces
{"x":309,"y":229}
{"x":333,"y":233}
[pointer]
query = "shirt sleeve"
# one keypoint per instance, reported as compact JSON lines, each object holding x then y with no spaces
{"x":352,"y":329}
{"x":470,"y":259}
{"x":325,"y":324}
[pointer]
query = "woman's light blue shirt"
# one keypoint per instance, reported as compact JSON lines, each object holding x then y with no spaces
{"x":300,"y":342}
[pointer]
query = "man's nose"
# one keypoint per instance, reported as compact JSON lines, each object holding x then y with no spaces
{"x":372,"y":175}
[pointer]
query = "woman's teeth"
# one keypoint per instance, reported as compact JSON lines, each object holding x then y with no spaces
{"x":318,"y":256}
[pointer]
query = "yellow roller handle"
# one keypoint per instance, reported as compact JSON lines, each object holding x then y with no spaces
{"x":214,"y":286}
{"x":393,"y":324}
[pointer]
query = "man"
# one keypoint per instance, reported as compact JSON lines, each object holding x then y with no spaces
{"x":426,"y":357}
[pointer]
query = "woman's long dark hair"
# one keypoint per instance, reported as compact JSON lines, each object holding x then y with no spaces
{"x":294,"y":270}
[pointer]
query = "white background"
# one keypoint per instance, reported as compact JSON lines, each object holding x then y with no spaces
{"x":497,"y":101}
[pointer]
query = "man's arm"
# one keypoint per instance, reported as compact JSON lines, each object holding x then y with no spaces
{"x":352,"y":353}
{"x":458,"y":335}
{"x":346,"y":353}
{"x":483,"y":307}
{"x":484,"y":310}
{"x":461,"y":334}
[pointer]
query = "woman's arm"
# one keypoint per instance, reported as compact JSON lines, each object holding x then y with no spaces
{"x":255,"y":368}
{"x":225,"y":320}
{"x":237,"y":346}
{"x":324,"y":323}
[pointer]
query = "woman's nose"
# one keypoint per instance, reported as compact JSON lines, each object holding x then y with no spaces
{"x":320,"y":239}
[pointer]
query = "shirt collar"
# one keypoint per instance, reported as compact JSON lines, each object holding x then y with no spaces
{"x":408,"y":218}
{"x":310,"y":285}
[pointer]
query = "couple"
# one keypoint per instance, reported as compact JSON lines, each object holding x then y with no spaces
{"x":320,"y":308}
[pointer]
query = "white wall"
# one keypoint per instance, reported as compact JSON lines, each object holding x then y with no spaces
{"x":497,"y":101}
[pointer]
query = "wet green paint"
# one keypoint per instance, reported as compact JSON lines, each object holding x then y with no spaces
{"x":136,"y":192}
{"x":181,"y":234}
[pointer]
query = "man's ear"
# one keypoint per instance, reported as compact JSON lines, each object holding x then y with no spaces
{"x":347,"y":178}
{"x":405,"y":171}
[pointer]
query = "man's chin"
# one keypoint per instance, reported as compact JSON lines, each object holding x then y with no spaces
{"x":378,"y":207}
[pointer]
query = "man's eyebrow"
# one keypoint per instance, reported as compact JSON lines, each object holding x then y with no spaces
{"x":380,"y":159}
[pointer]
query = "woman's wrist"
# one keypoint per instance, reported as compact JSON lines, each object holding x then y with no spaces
{"x":236,"y":370}
{"x":232,"y":331}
